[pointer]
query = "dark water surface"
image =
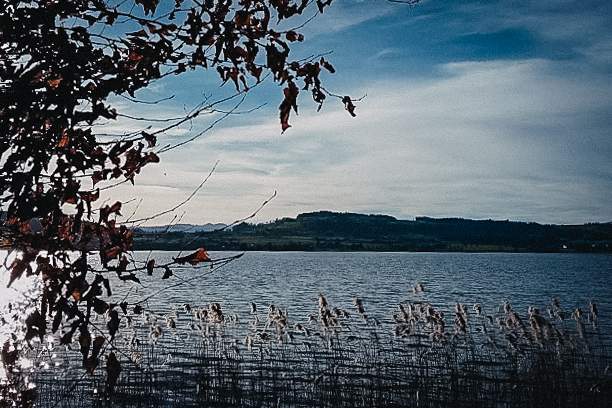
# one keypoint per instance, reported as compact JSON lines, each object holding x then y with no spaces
{"x":192,"y":356}
{"x":293,"y":280}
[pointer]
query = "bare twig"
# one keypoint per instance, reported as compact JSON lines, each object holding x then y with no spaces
{"x":212,"y":270}
{"x":155,"y":102}
{"x":177,"y":206}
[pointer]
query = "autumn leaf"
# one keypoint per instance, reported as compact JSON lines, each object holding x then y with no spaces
{"x":348,"y":105}
{"x":91,"y":364}
{"x":35,"y":326}
{"x":149,"y":6}
{"x":167,"y":273}
{"x":150,"y":266}
{"x":129,"y":277}
{"x":19,"y":266}
{"x":113,"y":369}
{"x":123,"y":306}
{"x":112,"y":252}
{"x":115,"y":208}
{"x":293,"y":36}
{"x":321,"y":4}
{"x":90,"y":197}
{"x":290,"y":101}
{"x":64,"y":141}
{"x":113,"y":323}
{"x":151,"y":158}
{"x":98,"y":176}
{"x":123,"y":263}
{"x":195,"y":258}
{"x":106,"y":284}
{"x":139,"y":33}
{"x":25,"y":228}
{"x":54,"y":83}
{"x":85,"y":343}
{"x":66,"y":338}
{"x":284,"y":118}
{"x":100,"y":306}
{"x":134,"y":56}
{"x":325,"y":64}
{"x":151,"y":139}
{"x":97,"y":345}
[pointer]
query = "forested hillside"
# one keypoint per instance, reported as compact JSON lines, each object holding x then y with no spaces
{"x":329,"y":231}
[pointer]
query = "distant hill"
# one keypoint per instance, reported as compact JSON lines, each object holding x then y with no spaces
{"x":186,"y":228}
{"x":331,"y":231}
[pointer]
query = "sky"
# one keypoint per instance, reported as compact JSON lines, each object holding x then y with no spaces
{"x":482,"y":110}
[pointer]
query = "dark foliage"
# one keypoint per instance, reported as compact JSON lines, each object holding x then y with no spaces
{"x":60,"y":62}
{"x":328,"y":231}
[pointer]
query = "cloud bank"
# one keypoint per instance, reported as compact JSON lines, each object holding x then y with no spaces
{"x":505,"y":139}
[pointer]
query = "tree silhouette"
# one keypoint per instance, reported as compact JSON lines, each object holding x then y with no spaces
{"x":61,"y":64}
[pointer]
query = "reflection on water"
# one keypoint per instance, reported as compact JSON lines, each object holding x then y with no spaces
{"x":16,"y":302}
{"x":293,"y":281}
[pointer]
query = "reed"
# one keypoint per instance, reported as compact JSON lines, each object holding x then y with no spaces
{"x":420,"y":356}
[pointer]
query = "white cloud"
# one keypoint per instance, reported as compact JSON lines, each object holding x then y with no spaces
{"x":505,"y":139}
{"x":344,"y":14}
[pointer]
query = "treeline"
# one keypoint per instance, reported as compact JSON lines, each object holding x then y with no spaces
{"x":330,"y":231}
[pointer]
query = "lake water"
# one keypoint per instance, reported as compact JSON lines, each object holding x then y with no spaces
{"x":293,"y":281}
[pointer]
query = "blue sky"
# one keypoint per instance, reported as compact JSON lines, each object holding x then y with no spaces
{"x":474,"y":109}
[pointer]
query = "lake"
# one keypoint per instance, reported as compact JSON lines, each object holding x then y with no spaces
{"x":355,"y":362}
{"x":293,"y":281}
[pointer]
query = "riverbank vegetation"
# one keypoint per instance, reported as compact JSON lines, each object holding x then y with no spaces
{"x":421,"y":355}
{"x":331,"y":231}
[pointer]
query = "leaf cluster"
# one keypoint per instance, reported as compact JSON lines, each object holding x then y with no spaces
{"x":61,"y":64}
